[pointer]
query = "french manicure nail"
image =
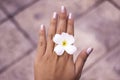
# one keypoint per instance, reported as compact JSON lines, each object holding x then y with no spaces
{"x":89,"y":50}
{"x":70,"y":16}
{"x":62,"y":9}
{"x":54,"y":15}
{"x":41,"y":27}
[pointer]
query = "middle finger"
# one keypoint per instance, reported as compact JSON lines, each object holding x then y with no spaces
{"x":62,"y":21}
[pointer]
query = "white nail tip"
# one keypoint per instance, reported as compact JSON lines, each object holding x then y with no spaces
{"x":54,"y":15}
{"x":62,"y":9}
{"x":41,"y":27}
{"x":89,"y":50}
{"x":70,"y":15}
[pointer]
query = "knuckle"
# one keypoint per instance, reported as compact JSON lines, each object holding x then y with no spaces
{"x":50,"y":36}
{"x":41,"y":43}
{"x":70,"y":22}
{"x":83,"y":59}
{"x":53,"y":22}
{"x":60,"y":30}
{"x":41,"y":33}
{"x":63,"y":16}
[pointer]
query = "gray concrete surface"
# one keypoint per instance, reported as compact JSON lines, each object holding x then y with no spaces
{"x":97,"y":24}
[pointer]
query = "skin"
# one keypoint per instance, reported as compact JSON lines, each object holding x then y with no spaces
{"x":48,"y":65}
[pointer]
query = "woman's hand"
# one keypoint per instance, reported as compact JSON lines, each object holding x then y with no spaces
{"x":48,"y":65}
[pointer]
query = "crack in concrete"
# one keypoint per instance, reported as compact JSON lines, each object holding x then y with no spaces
{"x":99,"y":2}
{"x":9,"y":16}
{"x":4,"y":69}
{"x":99,"y":59}
{"x":114,"y":4}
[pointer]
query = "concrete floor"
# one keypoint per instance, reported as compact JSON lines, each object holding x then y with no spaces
{"x":97,"y":24}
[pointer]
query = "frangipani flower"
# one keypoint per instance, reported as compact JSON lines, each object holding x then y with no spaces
{"x":64,"y":43}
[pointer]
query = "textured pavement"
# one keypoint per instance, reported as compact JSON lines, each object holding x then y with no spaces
{"x":97,"y":24}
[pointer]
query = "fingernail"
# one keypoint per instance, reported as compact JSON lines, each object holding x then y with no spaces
{"x":62,"y":9}
{"x":54,"y":15}
{"x":42,"y":27}
{"x":70,"y":16}
{"x":89,"y":50}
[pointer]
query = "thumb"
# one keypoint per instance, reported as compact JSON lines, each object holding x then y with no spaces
{"x":81,"y":59}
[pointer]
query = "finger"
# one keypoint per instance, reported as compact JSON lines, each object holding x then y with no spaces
{"x":81,"y":60}
{"x":61,"y":27}
{"x":70,"y":28}
{"x":70,"y":24}
{"x":42,"y":42}
{"x":51,"y":33}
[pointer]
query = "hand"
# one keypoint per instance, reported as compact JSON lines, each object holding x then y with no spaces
{"x":48,"y":65}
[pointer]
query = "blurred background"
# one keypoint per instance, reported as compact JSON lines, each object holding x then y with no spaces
{"x":97,"y":24}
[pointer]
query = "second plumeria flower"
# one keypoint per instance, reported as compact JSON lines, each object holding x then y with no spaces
{"x":64,"y":42}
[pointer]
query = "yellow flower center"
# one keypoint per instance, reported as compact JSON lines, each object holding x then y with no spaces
{"x":64,"y":43}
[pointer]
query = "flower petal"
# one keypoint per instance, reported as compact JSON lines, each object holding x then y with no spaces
{"x":57,"y":39}
{"x":64,"y":34}
{"x":70,"y":49}
{"x":59,"y":50}
{"x":69,"y":38}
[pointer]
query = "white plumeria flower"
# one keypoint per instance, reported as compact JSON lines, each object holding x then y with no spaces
{"x":64,"y":43}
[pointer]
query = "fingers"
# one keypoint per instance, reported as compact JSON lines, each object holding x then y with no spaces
{"x":81,"y":60}
{"x":51,"y":32}
{"x":42,"y":41}
{"x":64,"y":23}
{"x":61,"y":27}
{"x":70,"y":24}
